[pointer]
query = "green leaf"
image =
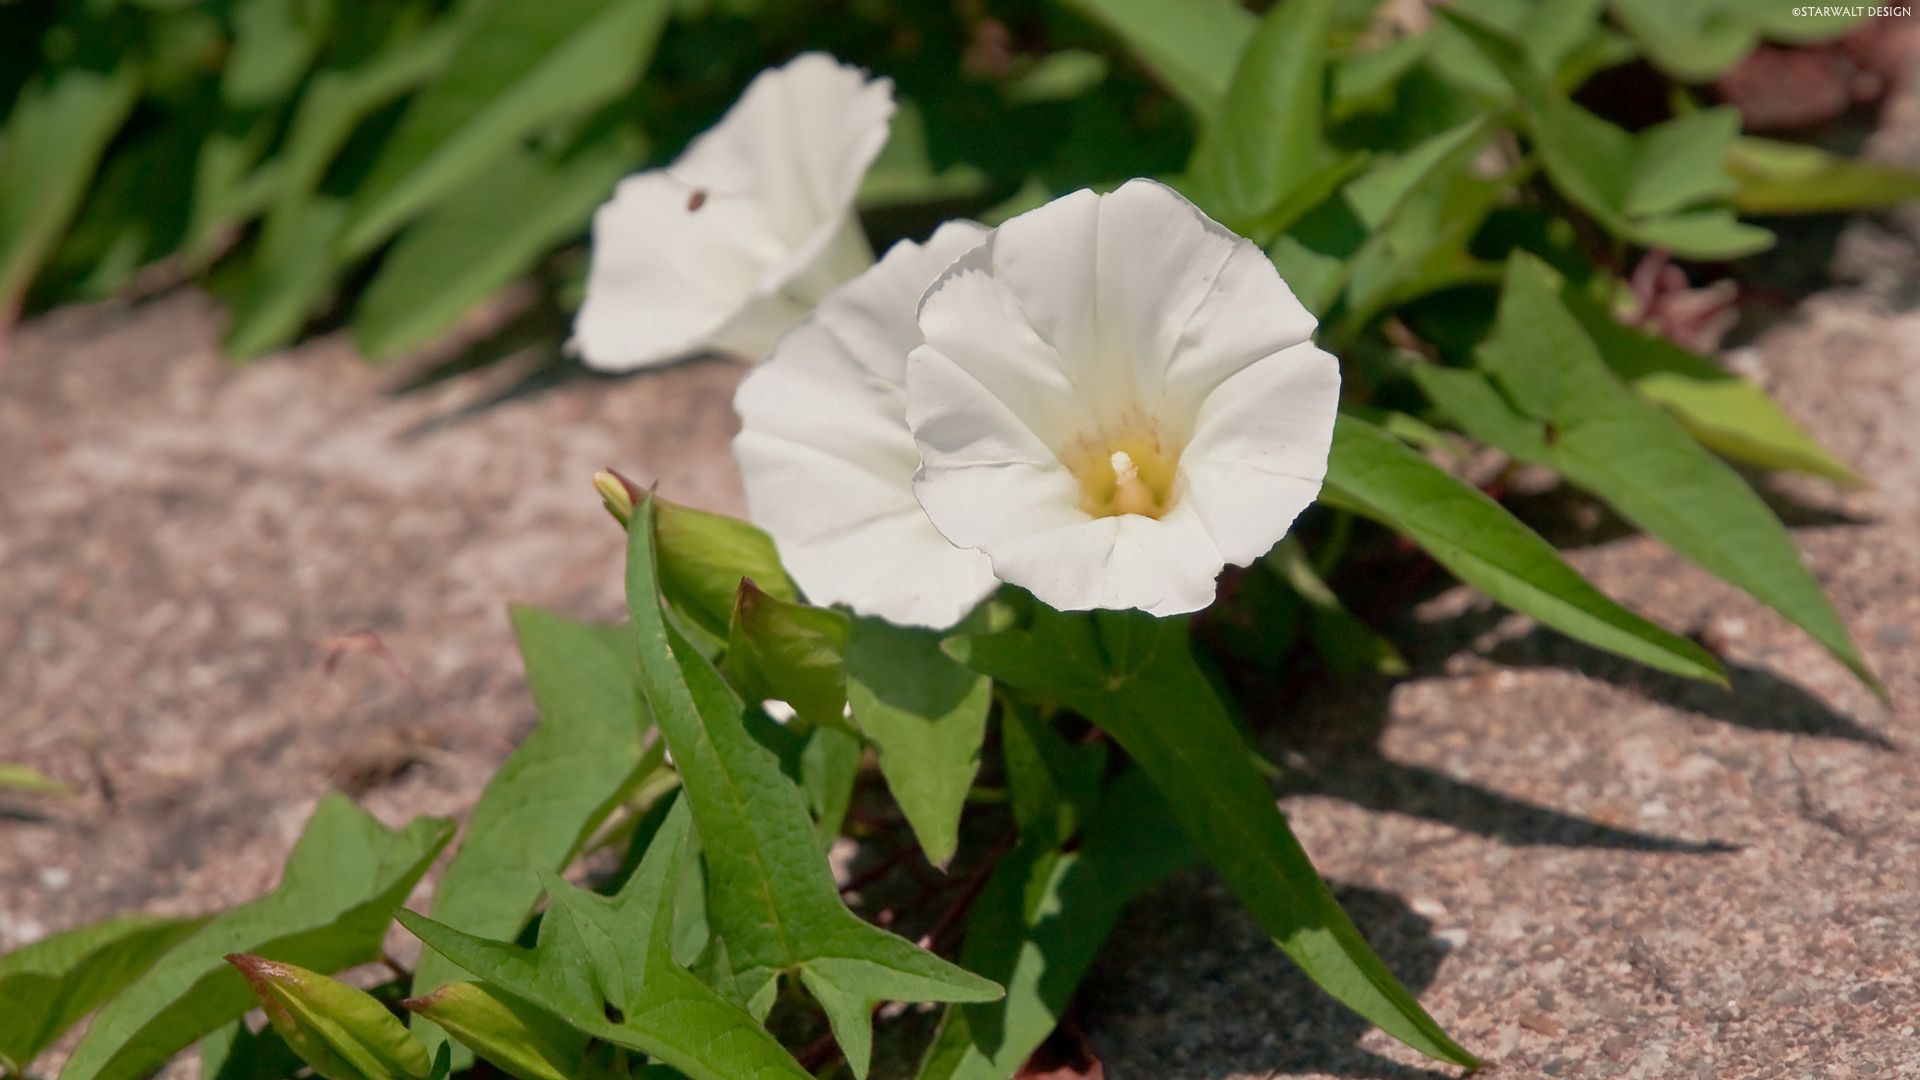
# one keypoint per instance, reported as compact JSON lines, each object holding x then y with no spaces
{"x":1698,"y":40}
{"x":1683,"y":163}
{"x":16,"y":777}
{"x":784,"y":651}
{"x":829,"y":765}
{"x":58,"y":129}
{"x":290,"y":277}
{"x":330,"y":911}
{"x":1364,"y":80}
{"x":343,"y":1033}
{"x":1053,"y":785}
{"x":54,"y":982}
{"x":1726,"y":413}
{"x":1654,"y":188}
{"x":1266,"y":139}
{"x":556,"y":787}
{"x":771,"y":894}
{"x":517,"y":1038}
{"x":1040,"y":922}
{"x":1788,"y":178}
{"x":274,"y":45}
{"x":1562,"y":37}
{"x":1478,"y":541}
{"x":518,"y":67}
{"x":486,"y":233}
{"x":293,"y":267}
{"x":1135,"y":677}
{"x":605,"y":966}
{"x":1193,"y":46}
{"x":1553,"y":401}
{"x":1386,"y":224}
{"x":926,"y":715}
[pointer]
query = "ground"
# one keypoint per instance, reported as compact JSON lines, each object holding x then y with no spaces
{"x":225,"y":591}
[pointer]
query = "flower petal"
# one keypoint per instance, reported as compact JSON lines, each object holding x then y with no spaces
{"x":1259,"y":451}
{"x":1248,"y":313}
{"x":732,"y":243}
{"x":1163,"y":567}
{"x":828,"y":461}
{"x":663,"y":280}
{"x":985,"y":478}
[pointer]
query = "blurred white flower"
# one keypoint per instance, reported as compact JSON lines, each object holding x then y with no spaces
{"x":1118,"y":397}
{"x":727,"y":247}
{"x":827,"y":459}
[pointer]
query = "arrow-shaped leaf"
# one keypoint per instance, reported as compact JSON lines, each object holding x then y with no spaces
{"x":555,"y":788}
{"x":771,"y":894}
{"x":927,"y":716}
{"x":605,"y":965}
{"x":51,"y":984}
{"x":329,"y":912}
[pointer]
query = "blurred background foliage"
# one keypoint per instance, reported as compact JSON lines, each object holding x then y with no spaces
{"x":389,"y":165}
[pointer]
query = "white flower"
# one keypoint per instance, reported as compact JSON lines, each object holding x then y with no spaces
{"x":827,"y":459}
{"x":1118,"y":397}
{"x":727,"y":247}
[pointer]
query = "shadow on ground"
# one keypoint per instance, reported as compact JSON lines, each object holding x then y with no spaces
{"x":1186,"y":949}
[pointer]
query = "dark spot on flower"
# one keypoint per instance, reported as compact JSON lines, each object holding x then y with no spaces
{"x":696,"y":200}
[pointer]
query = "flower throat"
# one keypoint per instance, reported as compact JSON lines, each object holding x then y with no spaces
{"x":1129,"y":474}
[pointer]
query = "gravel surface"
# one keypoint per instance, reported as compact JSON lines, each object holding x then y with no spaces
{"x":224,"y":591}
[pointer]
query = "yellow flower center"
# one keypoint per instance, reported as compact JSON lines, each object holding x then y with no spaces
{"x":1128,"y":474}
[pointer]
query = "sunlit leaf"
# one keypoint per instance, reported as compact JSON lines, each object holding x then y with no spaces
{"x":790,"y":652}
{"x":1787,"y":178}
{"x":517,"y":1038}
{"x":1267,"y":139}
{"x":292,"y":268}
{"x":1697,"y":40}
{"x":517,"y":66}
{"x":1548,"y":397}
{"x":50,"y":985}
{"x":555,"y":788}
{"x":1655,"y":188}
{"x":55,"y":135}
{"x":927,"y":716}
{"x":1726,"y":413}
{"x":486,"y":233}
{"x":341,"y":1032}
{"x":605,"y":966}
{"x":1193,"y":46}
{"x":329,"y":912}
{"x":1483,"y":545}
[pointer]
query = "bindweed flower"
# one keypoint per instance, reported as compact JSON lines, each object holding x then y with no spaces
{"x":828,"y":462}
{"x":731,"y":244}
{"x":1118,"y":397}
